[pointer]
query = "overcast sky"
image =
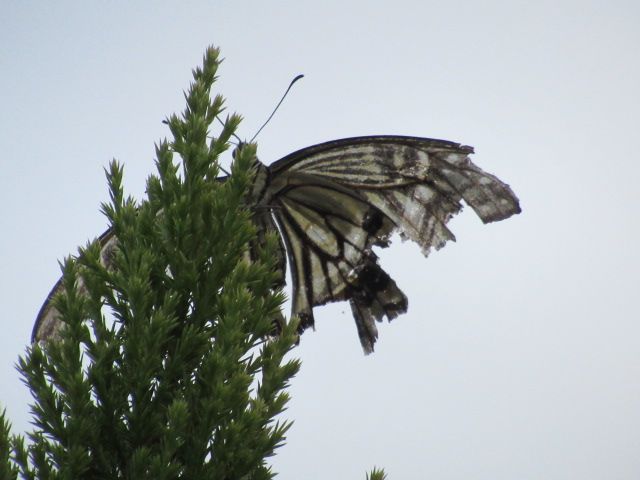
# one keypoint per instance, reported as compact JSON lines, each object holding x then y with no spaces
{"x":519,"y":357}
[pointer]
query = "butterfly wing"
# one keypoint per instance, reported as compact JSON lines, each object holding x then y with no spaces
{"x":48,"y":323}
{"x":333,"y":202}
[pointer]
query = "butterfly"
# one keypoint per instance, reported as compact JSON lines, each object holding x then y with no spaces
{"x":330,"y":204}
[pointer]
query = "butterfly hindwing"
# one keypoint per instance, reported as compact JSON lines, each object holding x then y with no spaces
{"x":329,"y":231}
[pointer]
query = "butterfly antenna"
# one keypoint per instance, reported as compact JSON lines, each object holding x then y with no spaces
{"x":277,"y":106}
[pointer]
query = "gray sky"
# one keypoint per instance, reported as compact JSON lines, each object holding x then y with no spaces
{"x":519,"y":357}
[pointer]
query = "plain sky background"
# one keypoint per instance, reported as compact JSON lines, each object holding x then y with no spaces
{"x":519,"y":357}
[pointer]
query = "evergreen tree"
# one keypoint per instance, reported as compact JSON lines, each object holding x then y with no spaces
{"x":167,"y":366}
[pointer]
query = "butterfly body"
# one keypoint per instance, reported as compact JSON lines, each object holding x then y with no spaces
{"x":331,"y":203}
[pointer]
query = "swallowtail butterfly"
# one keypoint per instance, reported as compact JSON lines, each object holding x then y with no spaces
{"x":332,"y":203}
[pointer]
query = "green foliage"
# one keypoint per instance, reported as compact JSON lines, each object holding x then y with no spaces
{"x":377,"y":474}
{"x":166,"y":368}
{"x":8,"y":470}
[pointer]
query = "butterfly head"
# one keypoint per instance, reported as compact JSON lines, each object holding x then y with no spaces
{"x":238,"y":148}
